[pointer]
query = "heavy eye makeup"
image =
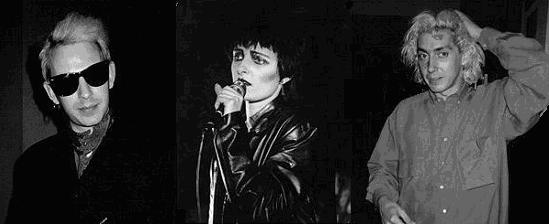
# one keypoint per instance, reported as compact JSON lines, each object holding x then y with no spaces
{"x":258,"y":58}
{"x":238,"y":55}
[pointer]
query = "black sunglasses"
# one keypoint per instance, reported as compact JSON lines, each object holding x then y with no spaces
{"x":67,"y":83}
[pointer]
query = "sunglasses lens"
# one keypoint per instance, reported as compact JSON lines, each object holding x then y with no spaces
{"x":97,"y":74}
{"x":66,"y":84}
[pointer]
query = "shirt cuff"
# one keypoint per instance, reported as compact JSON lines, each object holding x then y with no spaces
{"x":377,"y":194}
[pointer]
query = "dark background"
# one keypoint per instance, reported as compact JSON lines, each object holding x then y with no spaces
{"x":142,"y":48}
{"x":203,"y":28}
{"x":353,"y":77}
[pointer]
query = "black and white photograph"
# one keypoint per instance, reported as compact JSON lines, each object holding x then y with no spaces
{"x":87,"y":113}
{"x":286,"y":111}
{"x":423,"y":111}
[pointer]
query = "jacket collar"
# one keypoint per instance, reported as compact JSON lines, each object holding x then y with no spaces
{"x":258,"y":120}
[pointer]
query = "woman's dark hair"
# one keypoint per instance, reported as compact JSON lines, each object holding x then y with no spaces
{"x":282,"y":40}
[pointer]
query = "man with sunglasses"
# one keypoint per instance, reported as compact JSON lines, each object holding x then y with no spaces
{"x":91,"y":171}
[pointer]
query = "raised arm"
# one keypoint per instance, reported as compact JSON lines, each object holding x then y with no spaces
{"x":526,"y":90}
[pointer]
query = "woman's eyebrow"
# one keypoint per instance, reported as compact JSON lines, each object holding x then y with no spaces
{"x":257,"y":52}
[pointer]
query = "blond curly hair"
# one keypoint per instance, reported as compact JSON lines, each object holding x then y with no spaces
{"x":472,"y":55}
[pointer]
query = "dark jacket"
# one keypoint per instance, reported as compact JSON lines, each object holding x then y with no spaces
{"x":118,"y":186}
{"x":268,"y":168}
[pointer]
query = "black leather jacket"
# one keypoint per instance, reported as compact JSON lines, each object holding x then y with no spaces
{"x":267,"y":169}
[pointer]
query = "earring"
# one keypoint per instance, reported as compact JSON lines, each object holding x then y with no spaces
{"x":55,"y":107}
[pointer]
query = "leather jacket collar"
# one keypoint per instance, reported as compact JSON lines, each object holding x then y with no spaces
{"x":258,"y":121}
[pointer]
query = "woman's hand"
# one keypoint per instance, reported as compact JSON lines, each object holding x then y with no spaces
{"x":229,"y":98}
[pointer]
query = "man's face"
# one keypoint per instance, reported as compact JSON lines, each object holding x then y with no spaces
{"x":439,"y":61}
{"x":258,"y":66}
{"x":87,"y":106}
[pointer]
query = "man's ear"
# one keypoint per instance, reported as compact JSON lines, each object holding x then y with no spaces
{"x":112,"y":74}
{"x":285,"y":80}
{"x":50,"y":92}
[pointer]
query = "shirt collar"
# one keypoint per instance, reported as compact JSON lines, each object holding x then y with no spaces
{"x":459,"y":95}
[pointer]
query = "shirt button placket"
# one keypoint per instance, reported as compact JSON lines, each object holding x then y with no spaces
{"x":441,"y":187}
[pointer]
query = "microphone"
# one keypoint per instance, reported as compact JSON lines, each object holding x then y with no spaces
{"x":240,"y":86}
{"x":213,"y":119}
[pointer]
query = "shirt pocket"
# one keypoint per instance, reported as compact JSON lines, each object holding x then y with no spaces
{"x":406,"y":183}
{"x":478,"y":161}
{"x":405,"y":174}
